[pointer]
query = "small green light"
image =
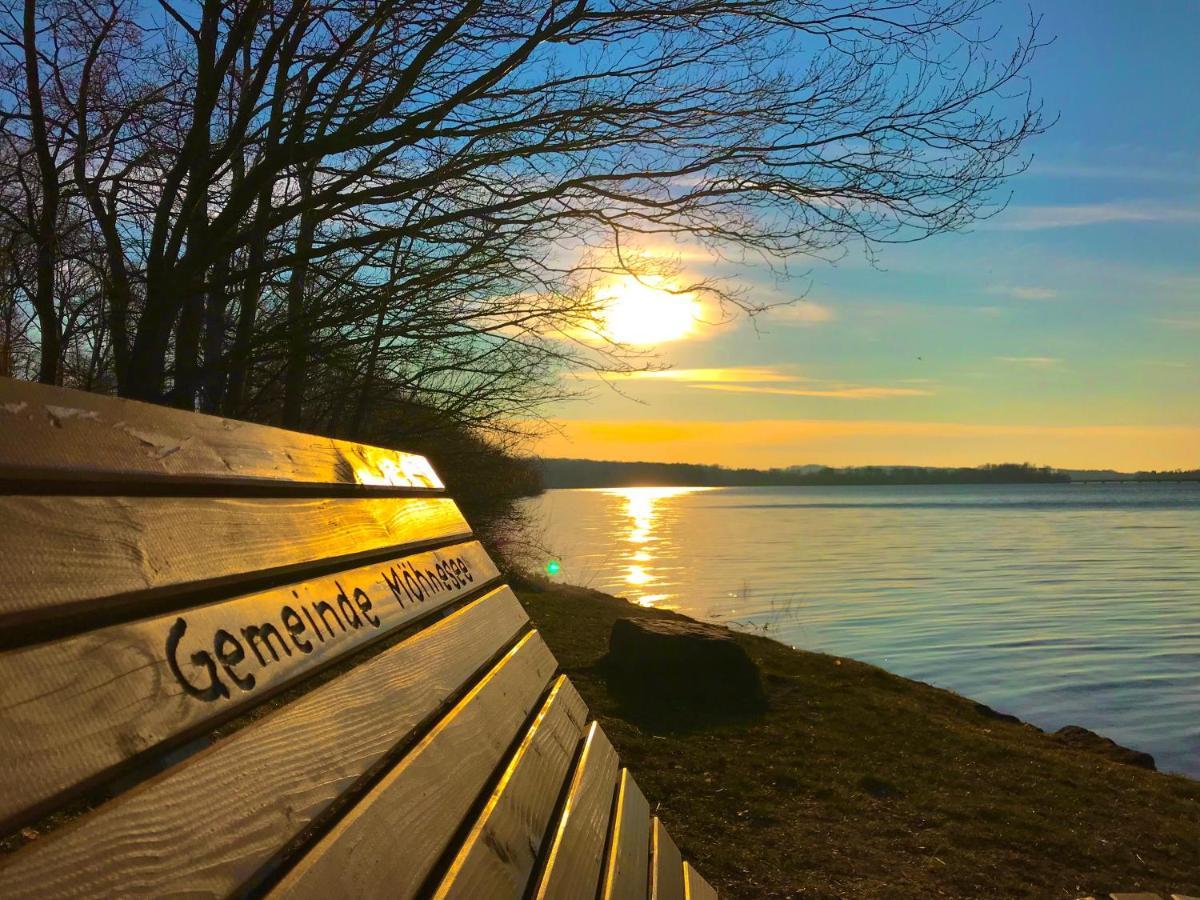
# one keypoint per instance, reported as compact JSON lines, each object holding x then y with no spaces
{"x":552,"y":567}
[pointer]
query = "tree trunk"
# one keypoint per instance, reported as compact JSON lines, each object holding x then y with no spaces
{"x":239,"y":354}
{"x":368,"y":386}
{"x":296,"y":367}
{"x":43,"y":305}
{"x":216,"y":301}
{"x":6,"y":340}
{"x":118,"y":321}
{"x":47,"y":232}
{"x":187,"y":350}
{"x":117,"y":290}
{"x":93,"y":369}
{"x":148,"y":355}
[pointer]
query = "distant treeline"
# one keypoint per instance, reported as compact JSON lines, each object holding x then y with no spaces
{"x":585,"y":473}
{"x":1151,"y":475}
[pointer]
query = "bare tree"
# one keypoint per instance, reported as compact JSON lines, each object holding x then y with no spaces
{"x":312,"y":212}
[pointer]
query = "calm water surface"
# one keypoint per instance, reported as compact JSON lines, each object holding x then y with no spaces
{"x":1062,"y":604}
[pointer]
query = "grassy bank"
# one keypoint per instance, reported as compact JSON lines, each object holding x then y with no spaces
{"x":858,"y":783}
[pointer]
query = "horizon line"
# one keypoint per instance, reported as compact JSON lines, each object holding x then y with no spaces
{"x":649,"y":462}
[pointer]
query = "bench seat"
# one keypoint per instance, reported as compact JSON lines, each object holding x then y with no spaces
{"x":236,"y":660}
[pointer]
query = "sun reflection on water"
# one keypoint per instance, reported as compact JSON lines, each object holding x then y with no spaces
{"x":638,"y":575}
{"x":644,"y":507}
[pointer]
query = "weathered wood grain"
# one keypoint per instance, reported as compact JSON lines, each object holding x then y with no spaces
{"x":695,"y":887}
{"x":72,"y":710}
{"x":576,"y":856}
{"x":500,"y":852}
{"x":207,"y":826}
{"x":53,"y":434}
{"x":627,"y":870}
{"x":666,"y":865}
{"x":62,"y":554}
{"x":388,"y":844}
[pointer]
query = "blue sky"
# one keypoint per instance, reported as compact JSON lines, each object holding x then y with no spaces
{"x":1064,"y":331}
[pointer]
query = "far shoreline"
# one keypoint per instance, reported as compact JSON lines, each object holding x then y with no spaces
{"x":578,"y":474}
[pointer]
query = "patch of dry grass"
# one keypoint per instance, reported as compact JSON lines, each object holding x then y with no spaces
{"x":858,"y":783}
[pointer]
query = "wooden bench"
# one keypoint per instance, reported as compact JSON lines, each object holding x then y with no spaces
{"x":165,"y":573}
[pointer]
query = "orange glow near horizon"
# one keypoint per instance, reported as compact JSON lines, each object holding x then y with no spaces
{"x":762,"y":443}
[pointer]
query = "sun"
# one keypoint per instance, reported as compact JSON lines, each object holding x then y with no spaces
{"x":639,"y":312}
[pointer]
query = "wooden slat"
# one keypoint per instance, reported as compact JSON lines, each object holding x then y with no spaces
{"x":627,"y":871}
{"x":71,"y":710}
{"x":498,"y":856}
{"x":695,"y":887}
{"x":205,"y":827}
{"x":389,"y":842}
{"x":666,"y":865}
{"x":58,"y":554}
{"x":51,"y":434}
{"x":574,"y":862}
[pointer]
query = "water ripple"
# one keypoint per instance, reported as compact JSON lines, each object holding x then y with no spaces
{"x":1063,"y":604}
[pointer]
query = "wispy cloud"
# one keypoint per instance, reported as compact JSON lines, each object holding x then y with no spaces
{"x":770,"y":380}
{"x":802,"y":312}
{"x":853,"y":392}
{"x":1034,"y":362}
{"x":1023,"y":292}
{"x":1165,"y":173}
{"x":1187,"y":322}
{"x":1037,"y":218}
{"x":1186,"y":284}
{"x":739,"y":374}
{"x":676,"y":252}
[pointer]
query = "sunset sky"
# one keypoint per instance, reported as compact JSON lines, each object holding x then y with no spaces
{"x":1065,"y":331}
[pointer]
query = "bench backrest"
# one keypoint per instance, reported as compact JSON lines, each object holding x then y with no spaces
{"x":164,"y":573}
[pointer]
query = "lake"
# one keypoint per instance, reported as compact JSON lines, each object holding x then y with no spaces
{"x":1061,"y":604}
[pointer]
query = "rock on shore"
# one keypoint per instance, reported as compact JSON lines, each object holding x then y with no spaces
{"x":685,"y":666}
